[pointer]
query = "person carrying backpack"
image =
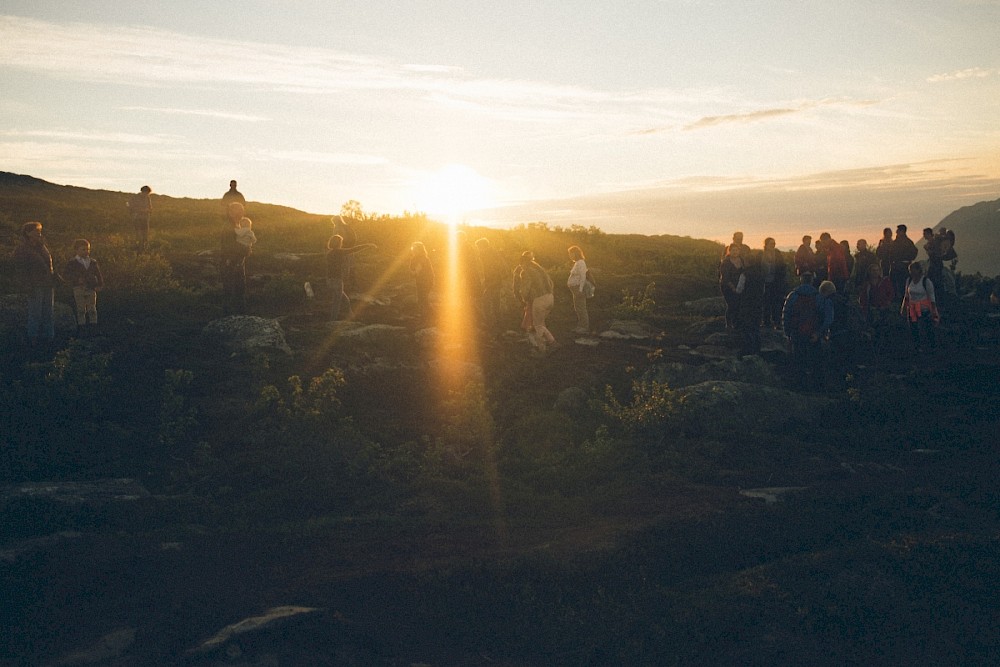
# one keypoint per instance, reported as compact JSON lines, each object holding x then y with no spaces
{"x":805,"y":318}
{"x":920,"y":306}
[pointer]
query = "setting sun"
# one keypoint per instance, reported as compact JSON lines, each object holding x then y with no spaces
{"x":452,"y":191}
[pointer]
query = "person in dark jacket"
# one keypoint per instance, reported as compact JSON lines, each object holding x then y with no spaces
{"x":884,"y":251}
{"x":732,"y":283}
{"x":83,"y":274}
{"x":863,"y":260}
{"x":773,"y":271}
{"x":33,"y":263}
{"x":901,"y":253}
{"x":806,"y":318}
{"x":233,"y":262}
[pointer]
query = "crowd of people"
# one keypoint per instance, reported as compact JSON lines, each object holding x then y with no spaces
{"x":836,"y":299}
{"x":39,"y":277}
{"x":482,"y":272}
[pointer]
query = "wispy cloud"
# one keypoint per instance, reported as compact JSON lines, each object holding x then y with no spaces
{"x":970,"y":73}
{"x":142,"y":56}
{"x":353,"y":159}
{"x":222,"y":115}
{"x":103,"y":137}
{"x":768,"y":114}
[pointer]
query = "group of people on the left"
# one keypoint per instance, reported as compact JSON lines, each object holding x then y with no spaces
{"x":39,"y":277}
{"x":82,"y":273}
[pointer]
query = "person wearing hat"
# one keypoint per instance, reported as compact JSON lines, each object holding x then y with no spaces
{"x":140,"y":207}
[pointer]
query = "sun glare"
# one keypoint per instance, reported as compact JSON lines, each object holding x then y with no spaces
{"x":452,"y":191}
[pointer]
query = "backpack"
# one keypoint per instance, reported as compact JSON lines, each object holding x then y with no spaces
{"x":805,"y":315}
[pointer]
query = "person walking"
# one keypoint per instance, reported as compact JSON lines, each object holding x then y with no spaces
{"x":535,"y":287}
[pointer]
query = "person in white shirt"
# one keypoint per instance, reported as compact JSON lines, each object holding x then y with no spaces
{"x":580,"y":287}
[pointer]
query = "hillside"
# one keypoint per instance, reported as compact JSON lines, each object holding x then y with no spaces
{"x":977,"y":229}
{"x":178,"y":489}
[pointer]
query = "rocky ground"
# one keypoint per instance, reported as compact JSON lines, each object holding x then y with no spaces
{"x":783,"y":535}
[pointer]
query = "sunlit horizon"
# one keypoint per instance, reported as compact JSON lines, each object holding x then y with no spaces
{"x":691,"y":119}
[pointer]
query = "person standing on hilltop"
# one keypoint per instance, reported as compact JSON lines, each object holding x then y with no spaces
{"x":232,"y":196}
{"x":863,"y":259}
{"x":346,"y":232}
{"x":34,"y":267}
{"x":336,"y":254}
{"x":423,"y":276}
{"x":83,"y":274}
{"x":492,"y":268}
{"x":883,"y":251}
{"x":773,"y":273}
{"x":836,"y":262}
{"x":901,"y":253}
{"x":232,"y":262}
{"x":581,"y":287}
{"x":140,"y":208}
{"x":805,"y":258}
{"x":732,"y":282}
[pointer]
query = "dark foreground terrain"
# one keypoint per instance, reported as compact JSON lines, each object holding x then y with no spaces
{"x":647,"y":501}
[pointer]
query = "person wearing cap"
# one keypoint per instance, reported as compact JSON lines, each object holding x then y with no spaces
{"x":140,"y":207}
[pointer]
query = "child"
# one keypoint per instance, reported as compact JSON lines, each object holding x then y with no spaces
{"x":244,"y":233}
{"x":83,"y":274}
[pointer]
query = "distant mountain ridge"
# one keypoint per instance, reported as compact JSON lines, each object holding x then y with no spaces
{"x":977,"y":237}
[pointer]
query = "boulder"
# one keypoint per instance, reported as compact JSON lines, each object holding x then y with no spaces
{"x":750,"y":369}
{"x":276,"y":617}
{"x":368,"y":334}
{"x":248,"y":332}
{"x":90,"y":492}
{"x":724,"y":408}
{"x":710,"y":307}
{"x":628,"y":330}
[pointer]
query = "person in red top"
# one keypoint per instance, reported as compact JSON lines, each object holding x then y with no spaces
{"x":836,"y":262}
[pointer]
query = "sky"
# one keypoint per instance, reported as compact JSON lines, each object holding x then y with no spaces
{"x":696,"y":118}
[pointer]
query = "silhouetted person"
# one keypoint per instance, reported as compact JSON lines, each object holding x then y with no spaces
{"x":773,"y":272}
{"x":232,"y":262}
{"x":423,"y":278}
{"x":902,"y":251}
{"x":33,"y":262}
{"x":232,"y":196}
{"x":336,"y":254}
{"x":140,"y":208}
{"x":863,"y":261}
{"x":805,"y":258}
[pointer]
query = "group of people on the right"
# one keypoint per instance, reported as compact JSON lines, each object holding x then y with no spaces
{"x":841,"y":296}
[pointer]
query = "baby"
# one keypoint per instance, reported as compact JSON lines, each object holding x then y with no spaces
{"x":244,"y":233}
